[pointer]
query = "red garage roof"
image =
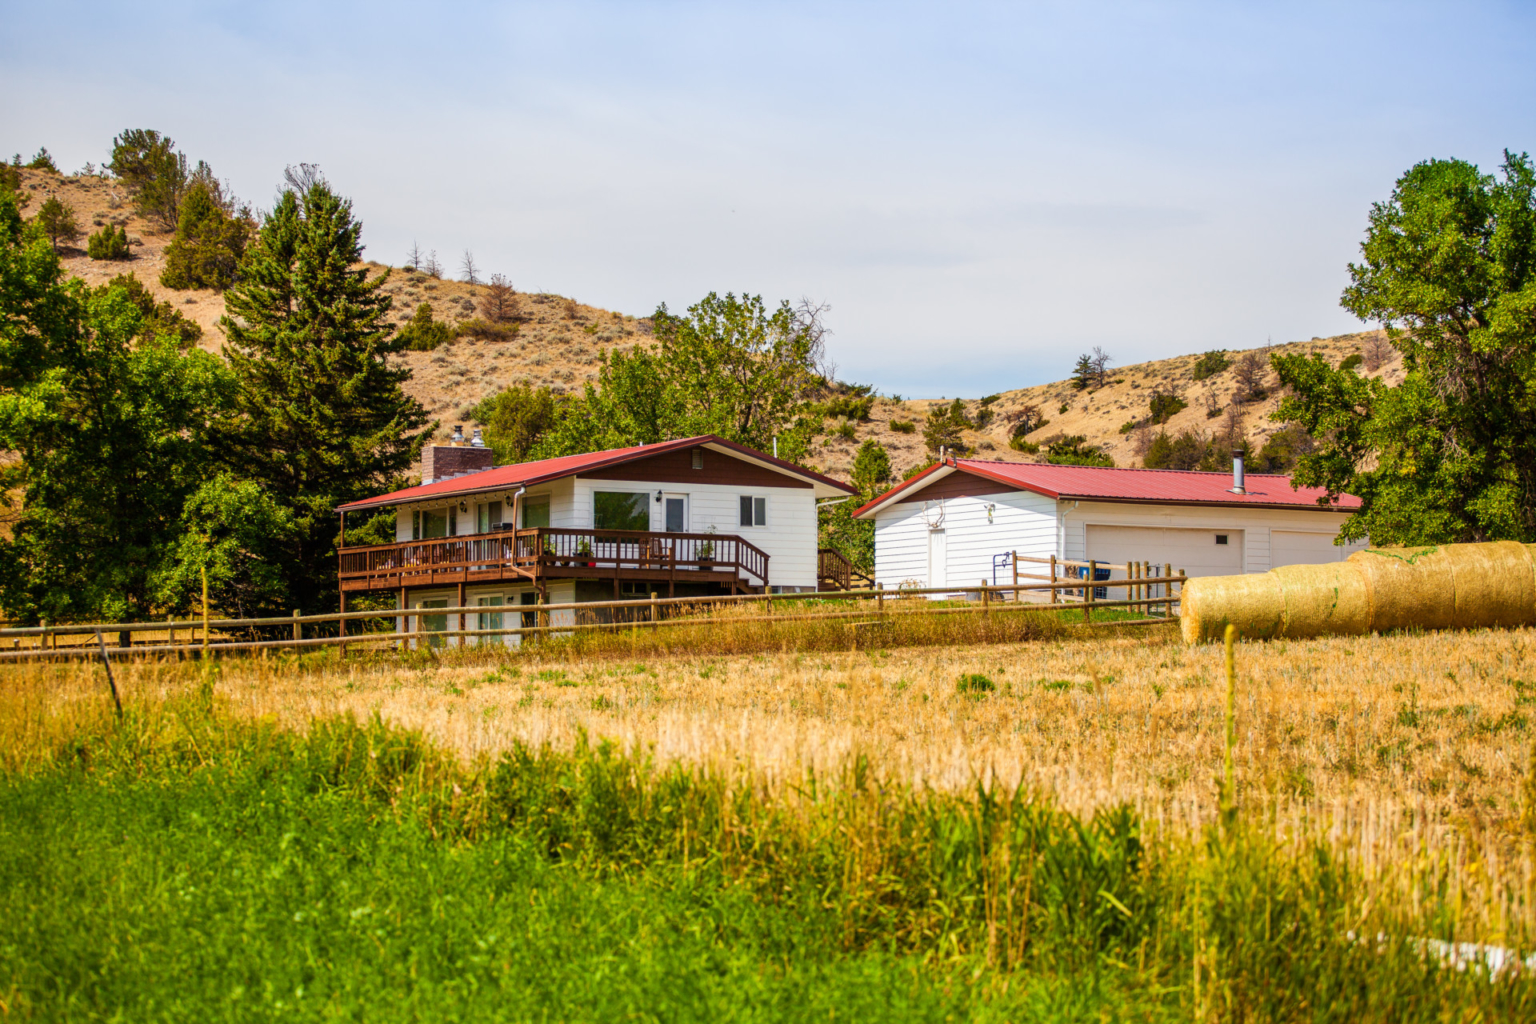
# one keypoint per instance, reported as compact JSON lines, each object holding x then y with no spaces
{"x":1134,"y":486}
{"x":527,"y":474}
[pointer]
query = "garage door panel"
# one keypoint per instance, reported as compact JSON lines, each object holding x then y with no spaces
{"x":1305,"y":547}
{"x":1195,"y":551}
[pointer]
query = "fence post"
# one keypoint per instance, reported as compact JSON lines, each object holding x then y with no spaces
{"x":1130,"y":583}
{"x":1013,"y":556}
{"x":1093,"y":570}
{"x":42,"y":641}
{"x":986,"y":600}
{"x":205,"y":611}
{"x":1053,"y":579}
{"x":298,"y":627}
{"x":880,"y":598}
{"x":170,"y":631}
{"x":1167,"y":591}
{"x":653,"y":609}
{"x":1181,"y":594}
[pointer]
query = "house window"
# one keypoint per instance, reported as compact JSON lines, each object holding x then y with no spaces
{"x":430,"y":523}
{"x":698,"y":458}
{"x":754,"y":510}
{"x":535,"y":513}
{"x":621,"y":510}
{"x":1221,"y":538}
{"x":488,"y":516}
{"x":434,"y":623}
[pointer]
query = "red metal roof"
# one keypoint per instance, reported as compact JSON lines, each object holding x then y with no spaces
{"x":527,"y":474}
{"x":1135,"y":486}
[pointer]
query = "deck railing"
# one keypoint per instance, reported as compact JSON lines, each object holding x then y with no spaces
{"x":532,"y":552}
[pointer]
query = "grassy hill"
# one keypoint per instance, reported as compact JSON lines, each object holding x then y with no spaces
{"x":558,"y":341}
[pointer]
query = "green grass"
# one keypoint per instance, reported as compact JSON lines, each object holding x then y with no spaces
{"x":190,"y":867}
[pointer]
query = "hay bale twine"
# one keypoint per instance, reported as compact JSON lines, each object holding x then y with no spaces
{"x":1254,"y":604}
{"x":1323,"y":600}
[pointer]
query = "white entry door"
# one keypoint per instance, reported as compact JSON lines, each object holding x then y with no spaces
{"x":1197,"y":552}
{"x":938,"y":557}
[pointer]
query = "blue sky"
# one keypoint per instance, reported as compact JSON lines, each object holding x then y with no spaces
{"x":980,"y":191}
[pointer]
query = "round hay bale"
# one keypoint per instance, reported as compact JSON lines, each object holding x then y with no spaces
{"x":1495,"y":584}
{"x":1409,"y":587}
{"x":1254,"y":604}
{"x":1323,"y":600}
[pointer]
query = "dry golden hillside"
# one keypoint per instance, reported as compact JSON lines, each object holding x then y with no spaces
{"x":558,"y":341}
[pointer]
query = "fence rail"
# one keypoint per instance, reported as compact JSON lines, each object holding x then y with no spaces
{"x":652,"y":613}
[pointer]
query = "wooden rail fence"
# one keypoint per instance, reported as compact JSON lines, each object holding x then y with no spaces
{"x":1155,"y":594}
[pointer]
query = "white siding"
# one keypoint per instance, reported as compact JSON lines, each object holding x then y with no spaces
{"x":977,"y":529}
{"x":789,"y":538}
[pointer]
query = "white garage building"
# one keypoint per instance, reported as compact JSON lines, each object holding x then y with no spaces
{"x":959,"y":522}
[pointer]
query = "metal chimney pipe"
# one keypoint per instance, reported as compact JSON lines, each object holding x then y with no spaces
{"x":458,"y":434}
{"x":1237,"y":474}
{"x":478,"y":442}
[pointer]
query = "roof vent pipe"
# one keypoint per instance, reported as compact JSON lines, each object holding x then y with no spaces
{"x":458,"y":433}
{"x":478,"y":442}
{"x":1237,"y":474}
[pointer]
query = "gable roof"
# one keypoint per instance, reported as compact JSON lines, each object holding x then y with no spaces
{"x":528,"y":474}
{"x":1134,"y":486}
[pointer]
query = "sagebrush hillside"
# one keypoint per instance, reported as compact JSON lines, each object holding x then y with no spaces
{"x":557,"y":341}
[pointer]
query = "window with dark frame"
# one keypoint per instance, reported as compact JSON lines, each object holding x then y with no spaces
{"x":754,"y":510}
{"x":1221,"y":538}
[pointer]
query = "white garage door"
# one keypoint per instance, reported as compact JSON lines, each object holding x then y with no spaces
{"x":1197,"y":552}
{"x":1294,"y":547}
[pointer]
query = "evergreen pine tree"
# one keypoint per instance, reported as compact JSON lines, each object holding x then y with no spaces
{"x":208,"y":243}
{"x":320,"y":416}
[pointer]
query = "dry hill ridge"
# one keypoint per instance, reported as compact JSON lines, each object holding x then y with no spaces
{"x":558,"y":341}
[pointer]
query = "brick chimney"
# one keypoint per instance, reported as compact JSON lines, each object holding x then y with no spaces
{"x":441,"y":461}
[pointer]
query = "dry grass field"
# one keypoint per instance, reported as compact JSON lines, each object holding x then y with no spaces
{"x":1409,"y":754}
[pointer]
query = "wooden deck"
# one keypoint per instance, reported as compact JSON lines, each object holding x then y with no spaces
{"x":545,"y":553}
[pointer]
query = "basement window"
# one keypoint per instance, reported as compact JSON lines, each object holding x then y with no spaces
{"x":1221,"y":538}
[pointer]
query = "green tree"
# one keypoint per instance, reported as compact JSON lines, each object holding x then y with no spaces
{"x":110,"y":243}
{"x":422,"y":333}
{"x":517,"y":418}
{"x":945,"y":426}
{"x":854,"y":538}
{"x":319,"y":416}
{"x":57,"y":222}
{"x":43,"y":161}
{"x":149,"y":164}
{"x":227,"y":528}
{"x":1083,"y":373}
{"x":1449,"y":454}
{"x":159,"y":319}
{"x":111,"y":434}
{"x":208,"y":244}
{"x":728,"y":368}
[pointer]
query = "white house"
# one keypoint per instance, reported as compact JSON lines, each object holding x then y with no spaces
{"x":700,"y":515}
{"x":961,"y":521}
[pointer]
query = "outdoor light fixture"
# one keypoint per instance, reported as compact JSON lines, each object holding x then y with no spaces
{"x":658,"y":495}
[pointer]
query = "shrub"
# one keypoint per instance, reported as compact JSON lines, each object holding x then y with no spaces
{"x":1061,"y":410}
{"x":1351,"y":361}
{"x":423,"y":334}
{"x":903,"y":426}
{"x":1164,"y":405}
{"x":1212,"y":412}
{"x":1075,"y":450}
{"x":852,"y":407}
{"x":1019,"y":444}
{"x":945,"y":422}
{"x":990,"y":399}
{"x":1027,"y":420}
{"x":1210,"y":364}
{"x":110,"y":243}
{"x":571,"y":309}
{"x":486,"y":331}
{"x":974,"y":684}
{"x":845,"y":430}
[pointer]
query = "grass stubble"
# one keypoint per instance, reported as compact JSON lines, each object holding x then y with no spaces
{"x":1383,"y":790}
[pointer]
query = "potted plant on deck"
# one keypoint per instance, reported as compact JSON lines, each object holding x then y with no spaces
{"x":584,"y":553}
{"x":706,"y":552}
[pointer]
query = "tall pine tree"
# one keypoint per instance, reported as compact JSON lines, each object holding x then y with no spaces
{"x":321,"y":417}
